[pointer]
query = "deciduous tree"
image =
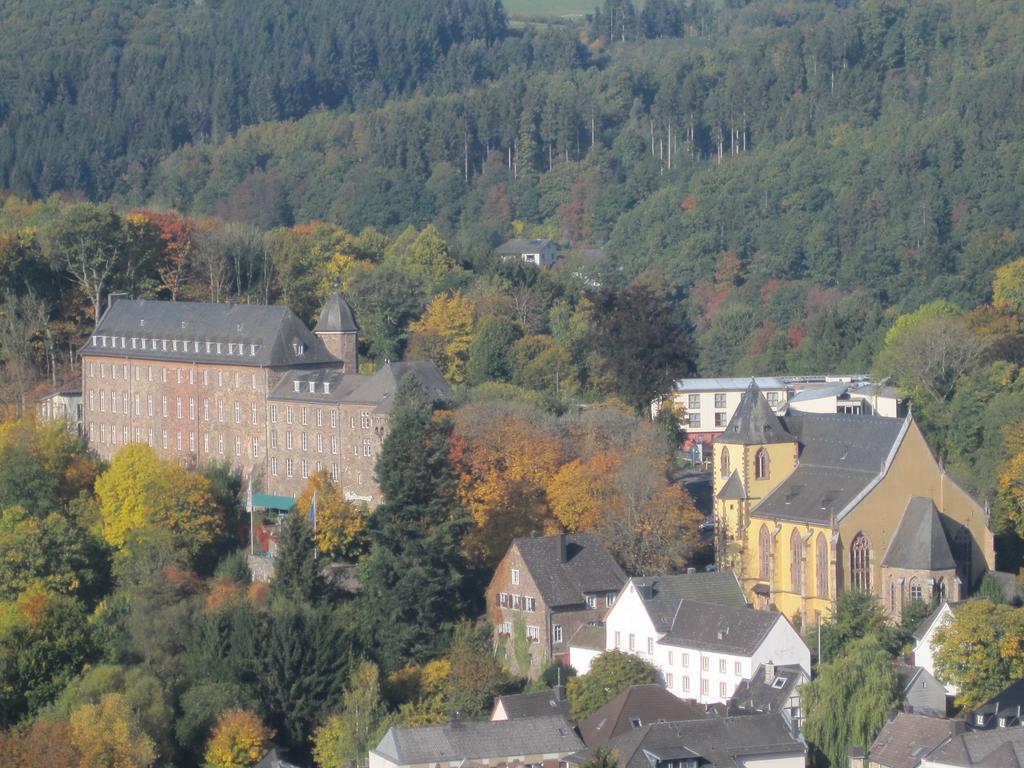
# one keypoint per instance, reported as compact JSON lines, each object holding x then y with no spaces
{"x":611,"y":673}
{"x":340,"y":525}
{"x":239,"y":740}
{"x":108,"y":734}
{"x":345,"y":738}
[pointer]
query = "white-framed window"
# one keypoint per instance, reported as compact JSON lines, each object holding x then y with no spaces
{"x":693,"y":419}
{"x":319,"y":443}
{"x":530,"y":604}
{"x":288,"y":414}
{"x":650,"y":646}
{"x":254,"y":414}
{"x":319,"y":417}
{"x":206,"y":442}
{"x":705,"y":686}
{"x":367,"y":448}
{"x":177,"y":407}
{"x":273,"y":414}
{"x":273,"y":439}
{"x":206,"y":409}
{"x":289,"y":467}
{"x":273,"y":465}
{"x":192,"y":409}
{"x":138,"y":405}
{"x":668,"y":680}
{"x":737,"y":668}
{"x":255,"y":447}
{"x":504,"y":600}
{"x":334,"y":419}
{"x":126,"y":435}
{"x":721,"y":666}
{"x":591,"y":601}
{"x":618,"y":640}
{"x":556,"y":633}
{"x":177,"y":441}
{"x":304,"y":439}
{"x":163,"y":439}
{"x":220,"y":443}
{"x":149,"y":405}
{"x":719,"y":399}
{"x":238,"y":413}
{"x":632,"y":641}
{"x":238,"y":446}
{"x":163,"y":406}
{"x":335,"y":476}
{"x":125,"y":406}
{"x":191,"y":371}
{"x":515,"y":576}
{"x":305,"y":416}
{"x":609,"y":600}
{"x":191,"y":442}
{"x":334,"y":444}
{"x":206,"y":374}
{"x":305,"y":469}
{"x":92,"y":400}
{"x":721,"y":690}
{"x":533,"y":634}
{"x":686,"y":683}
{"x":517,"y":602}
{"x":705,"y":663}
{"x":364,"y":419}
{"x":693,"y":402}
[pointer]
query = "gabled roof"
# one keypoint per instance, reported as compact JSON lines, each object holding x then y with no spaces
{"x":518,"y":246}
{"x":589,"y":635}
{"x":662,"y":595}
{"x":588,"y":567}
{"x":1008,"y":703}
{"x":333,"y":386}
{"x":754,"y":422}
{"x":247,"y":334}
{"x":726,"y":384}
{"x":995,"y":748}
{"x":550,"y":702}
{"x":273,"y":759}
{"x":761,"y":694}
{"x":907,"y":739}
{"x":336,"y":317}
{"x":720,"y":628}
{"x":635,"y":707}
{"x":920,"y":541}
{"x":722,"y":742}
{"x":733,"y":489}
{"x":929,"y":620}
{"x":840,"y":458}
{"x":461,"y":740}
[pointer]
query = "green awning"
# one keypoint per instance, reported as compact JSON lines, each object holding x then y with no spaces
{"x":270,"y":501}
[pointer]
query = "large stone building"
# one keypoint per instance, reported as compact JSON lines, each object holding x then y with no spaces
{"x":812,"y":505}
{"x":249,"y":384}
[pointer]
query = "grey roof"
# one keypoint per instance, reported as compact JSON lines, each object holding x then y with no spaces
{"x":754,"y":422}
{"x":274,"y":760}
{"x":926,"y":623}
{"x":591,"y":635}
{"x":187,"y":331}
{"x":336,"y":317}
{"x":377,"y":389}
{"x":758,"y":694}
{"x":721,"y":742}
{"x":459,"y":740}
{"x":720,"y":628}
{"x":728,"y":384}
{"x":663,"y":594}
{"x":733,"y":488}
{"x":518,"y":246}
{"x":1009,"y":702}
{"x":635,"y":707}
{"x":840,"y":458}
{"x":906,"y":739}
{"x":588,"y":567}
{"x":920,"y":541}
{"x":550,"y":702}
{"x":814,"y":393}
{"x":996,"y":748}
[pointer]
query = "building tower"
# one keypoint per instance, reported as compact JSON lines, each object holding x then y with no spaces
{"x":338,"y":329}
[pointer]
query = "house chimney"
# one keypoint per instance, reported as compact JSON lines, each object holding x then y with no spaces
{"x":563,"y":555}
{"x":111,"y":298}
{"x":769,"y":672}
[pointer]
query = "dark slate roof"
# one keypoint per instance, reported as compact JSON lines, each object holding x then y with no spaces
{"x":754,"y":422}
{"x":460,"y":740}
{"x":907,"y":739}
{"x":1008,"y":703}
{"x":733,"y":488}
{"x":377,"y":389}
{"x":720,"y":742}
{"x":926,"y":624}
{"x":541,"y":704}
{"x":662,"y":594}
{"x":274,"y":760}
{"x":996,"y":748}
{"x":635,"y":707}
{"x":759,"y":694}
{"x":248,"y":334}
{"x":588,"y":568}
{"x":518,"y":246}
{"x":336,"y":317}
{"x":720,"y":628}
{"x":590,"y":635}
{"x":840,"y":458}
{"x":920,"y":541}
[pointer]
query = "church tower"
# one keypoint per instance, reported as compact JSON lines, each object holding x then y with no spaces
{"x":751,"y":457}
{"x":338,"y":329}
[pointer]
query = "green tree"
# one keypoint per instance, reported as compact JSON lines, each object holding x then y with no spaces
{"x":849,"y":701}
{"x":475,"y":677}
{"x":345,"y":738}
{"x":856,"y":614}
{"x":109,"y":734}
{"x":490,"y":354}
{"x":611,"y":673}
{"x":980,"y":650}
{"x":413,"y":576}
{"x":201,"y":705}
{"x":296,"y":570}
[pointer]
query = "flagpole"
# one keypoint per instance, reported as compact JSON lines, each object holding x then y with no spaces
{"x":312,"y":516}
{"x":252,"y":519}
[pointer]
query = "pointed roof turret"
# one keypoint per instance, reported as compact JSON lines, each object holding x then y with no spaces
{"x":754,"y":422}
{"x":920,"y":542}
{"x":733,"y":489}
{"x":336,"y":317}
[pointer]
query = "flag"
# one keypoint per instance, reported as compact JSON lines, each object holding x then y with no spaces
{"x":312,"y":511}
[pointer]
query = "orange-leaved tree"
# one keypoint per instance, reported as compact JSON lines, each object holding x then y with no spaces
{"x":340,"y":524}
{"x":239,"y":740}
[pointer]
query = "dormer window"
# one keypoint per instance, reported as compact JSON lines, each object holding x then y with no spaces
{"x":299,"y":349}
{"x":183,"y":323}
{"x":219,"y":347}
{"x":94,"y":339}
{"x":327,"y":388}
{"x":252,"y":350}
{"x":312,"y":387}
{"x":142,"y":322}
{"x":979,"y":719}
{"x":298,"y":386}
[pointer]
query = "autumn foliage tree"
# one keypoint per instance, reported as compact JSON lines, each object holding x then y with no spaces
{"x":109,"y":734}
{"x":444,"y":334}
{"x":239,"y":740}
{"x":340,"y":525}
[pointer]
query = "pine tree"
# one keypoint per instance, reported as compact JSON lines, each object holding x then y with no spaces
{"x":296,"y":571}
{"x":413,"y":580}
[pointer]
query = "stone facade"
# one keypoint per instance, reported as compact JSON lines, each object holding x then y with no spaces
{"x":245,"y":384}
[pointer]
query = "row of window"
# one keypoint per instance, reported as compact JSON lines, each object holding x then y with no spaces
{"x":123,"y":401}
{"x":112,"y":435}
{"x":705,"y":685}
{"x":122,"y":371}
{"x":532,"y":632}
{"x":796,"y":562}
{"x":238,"y":349}
{"x":517,"y":602}
{"x":365,"y":421}
{"x":762,"y":464}
{"x":693,"y":401}
{"x":304,"y":469}
{"x":693,"y":419}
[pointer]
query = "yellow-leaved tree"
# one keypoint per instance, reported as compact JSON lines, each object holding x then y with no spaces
{"x":239,"y":740}
{"x":140,"y":490}
{"x":108,"y":735}
{"x":444,"y":335}
{"x":340,"y":524}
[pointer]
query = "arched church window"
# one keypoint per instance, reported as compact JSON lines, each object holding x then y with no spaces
{"x":764,"y":541}
{"x":892,"y":594}
{"x":761,"y":468}
{"x":860,"y":563}
{"x":915,"y":589}
{"x":963,"y":551}
{"x":796,"y":561}
{"x":724,"y":463}
{"x":821,"y":564}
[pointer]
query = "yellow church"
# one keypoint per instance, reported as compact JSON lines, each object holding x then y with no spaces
{"x":811,"y":505}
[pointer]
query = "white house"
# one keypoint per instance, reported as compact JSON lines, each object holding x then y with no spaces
{"x":859,"y":398}
{"x":924,"y":642}
{"x":539,"y":252}
{"x":702,"y":650}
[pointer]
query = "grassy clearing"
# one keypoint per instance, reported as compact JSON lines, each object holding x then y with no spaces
{"x":534,"y":8}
